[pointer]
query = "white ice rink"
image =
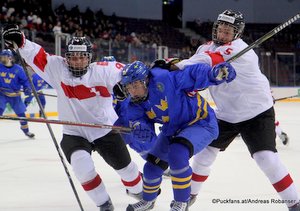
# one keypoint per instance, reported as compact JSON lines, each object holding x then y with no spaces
{"x":32,"y":177}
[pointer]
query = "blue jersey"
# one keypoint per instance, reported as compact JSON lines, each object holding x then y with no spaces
{"x":38,"y":82}
{"x":12,"y":79}
{"x":168,"y":102}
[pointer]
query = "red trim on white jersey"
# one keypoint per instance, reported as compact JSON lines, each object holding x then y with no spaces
{"x":216,"y":57}
{"x":102,"y":63}
{"x":82,"y":92}
{"x":40,"y":60}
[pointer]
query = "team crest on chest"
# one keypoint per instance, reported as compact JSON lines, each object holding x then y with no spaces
{"x":160,"y":87}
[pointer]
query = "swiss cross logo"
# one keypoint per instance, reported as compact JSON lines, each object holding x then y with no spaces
{"x":82,"y":92}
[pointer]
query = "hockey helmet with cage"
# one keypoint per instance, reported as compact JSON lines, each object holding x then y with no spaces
{"x":232,"y":18}
{"x":79,"y":55}
{"x":136,"y":71}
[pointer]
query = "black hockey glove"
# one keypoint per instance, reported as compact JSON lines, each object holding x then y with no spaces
{"x":119,"y":92}
{"x":12,"y":34}
{"x":167,"y":64}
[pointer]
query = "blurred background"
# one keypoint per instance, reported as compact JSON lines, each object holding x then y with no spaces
{"x":146,"y":30}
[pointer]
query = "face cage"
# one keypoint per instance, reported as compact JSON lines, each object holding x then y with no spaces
{"x":236,"y":30}
{"x":138,"y":99}
{"x":76,"y":71}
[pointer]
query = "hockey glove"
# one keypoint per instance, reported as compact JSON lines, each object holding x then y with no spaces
{"x":222,"y":72}
{"x":119,"y":92}
{"x":27,"y":100}
{"x":27,"y":91}
{"x":167,"y":64}
{"x":141,"y":132}
{"x":12,"y":34}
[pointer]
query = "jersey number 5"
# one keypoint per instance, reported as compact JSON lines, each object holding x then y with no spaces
{"x":228,"y":51}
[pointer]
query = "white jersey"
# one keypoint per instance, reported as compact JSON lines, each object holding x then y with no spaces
{"x":248,"y":94}
{"x":84,"y":99}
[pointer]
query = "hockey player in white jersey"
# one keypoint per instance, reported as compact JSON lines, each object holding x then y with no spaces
{"x":244,"y":106}
{"x":84,"y":95}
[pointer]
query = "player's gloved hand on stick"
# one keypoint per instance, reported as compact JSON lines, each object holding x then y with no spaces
{"x":12,"y":34}
{"x":222,"y":72}
{"x":167,"y":64}
{"x":27,"y":91}
{"x":141,"y":132}
{"x":119,"y":92}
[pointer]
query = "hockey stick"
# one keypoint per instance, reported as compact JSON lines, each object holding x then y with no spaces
{"x":48,"y":126}
{"x":48,"y":95}
{"x":60,"y":122}
{"x":39,"y":93}
{"x":284,"y":98}
{"x":265,"y":37}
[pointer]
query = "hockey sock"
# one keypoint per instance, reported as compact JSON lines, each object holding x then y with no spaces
{"x":181,"y":172}
{"x":131,"y":178}
{"x":84,"y":170}
{"x":276,"y":172}
{"x":202,"y":162}
{"x":152,"y":180}
{"x":24,"y":124}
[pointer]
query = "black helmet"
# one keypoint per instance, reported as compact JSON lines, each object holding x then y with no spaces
{"x":79,"y":55}
{"x":231,"y":18}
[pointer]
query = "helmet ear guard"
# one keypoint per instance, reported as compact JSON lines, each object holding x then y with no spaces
{"x":79,"y":47}
{"x":231,"y":18}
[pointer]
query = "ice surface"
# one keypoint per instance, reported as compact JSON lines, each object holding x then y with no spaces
{"x":32,"y":177}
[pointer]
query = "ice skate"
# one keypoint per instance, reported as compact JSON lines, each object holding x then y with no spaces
{"x":137,"y":196}
{"x":191,"y":201}
{"x":141,"y":206}
{"x":284,"y":138}
{"x":107,"y":206}
{"x":180,"y":206}
{"x":30,"y":135}
{"x":296,"y":207}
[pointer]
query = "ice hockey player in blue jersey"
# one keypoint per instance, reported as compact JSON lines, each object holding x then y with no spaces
{"x":189,"y":123}
{"x":12,"y":79}
{"x":39,"y":85}
{"x":120,"y":103}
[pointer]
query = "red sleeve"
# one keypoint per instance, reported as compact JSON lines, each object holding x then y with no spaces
{"x":216,"y":57}
{"x":40,"y":60}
